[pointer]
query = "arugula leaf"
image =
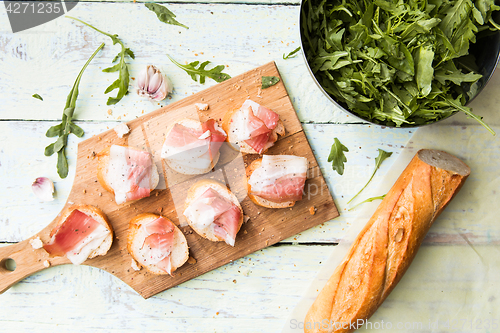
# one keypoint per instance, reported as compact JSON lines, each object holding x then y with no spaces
{"x":66,"y":127}
{"x":269,"y":81}
{"x":291,"y":54}
{"x":214,"y":73}
{"x":164,"y":14}
{"x":394,"y":62}
{"x":121,"y":67}
{"x":37,"y":97}
{"x":368,"y":200}
{"x":337,"y":156}
{"x":382,"y":155}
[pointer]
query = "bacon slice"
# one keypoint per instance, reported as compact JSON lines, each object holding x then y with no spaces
{"x":217,"y":137}
{"x":129,"y":173}
{"x":181,"y":136}
{"x":74,"y":230}
{"x":280,"y":178}
{"x":158,"y":243}
{"x":286,"y":188}
{"x":226,"y":225}
{"x":268,"y":116}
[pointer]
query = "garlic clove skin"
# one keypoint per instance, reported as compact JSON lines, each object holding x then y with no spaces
{"x":153,"y":84}
{"x":43,"y":188}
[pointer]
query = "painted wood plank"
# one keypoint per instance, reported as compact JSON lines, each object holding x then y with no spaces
{"x":253,"y":294}
{"x":22,"y":161}
{"x":269,"y":282}
{"x":46,"y":59}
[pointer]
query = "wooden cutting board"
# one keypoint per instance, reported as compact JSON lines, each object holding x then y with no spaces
{"x":264,"y":227}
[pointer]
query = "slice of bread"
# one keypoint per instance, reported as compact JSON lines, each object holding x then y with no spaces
{"x":229,"y":127}
{"x":135,"y":240}
{"x":184,"y":168}
{"x":97,"y":215}
{"x":258,"y":200}
{"x":196,"y":191}
{"x":102,"y":171}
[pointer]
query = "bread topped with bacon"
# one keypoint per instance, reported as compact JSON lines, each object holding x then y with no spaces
{"x":157,"y":244}
{"x":82,"y":232}
{"x":192,"y":147}
{"x":276,"y":181}
{"x":213,"y":211}
{"x":253,"y":127}
{"x":127,"y":172}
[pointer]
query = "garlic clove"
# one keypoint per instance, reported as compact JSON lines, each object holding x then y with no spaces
{"x":155,"y":82}
{"x":43,"y":188}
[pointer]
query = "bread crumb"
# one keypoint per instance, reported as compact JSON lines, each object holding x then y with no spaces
{"x":234,"y":281}
{"x":312,"y":210}
{"x":46,"y":264}
{"x":245,"y":232}
{"x":36,"y":243}
{"x":122,"y":130}
{"x":191,"y":260}
{"x":110,"y":112}
{"x":201,"y":106}
{"x":246,"y":218}
{"x":134,"y":265}
{"x":259,"y":91}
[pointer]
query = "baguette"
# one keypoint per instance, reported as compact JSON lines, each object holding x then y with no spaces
{"x":385,"y":248}
{"x":135,"y":241}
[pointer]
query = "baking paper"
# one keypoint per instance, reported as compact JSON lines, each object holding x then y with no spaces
{"x":453,"y":283}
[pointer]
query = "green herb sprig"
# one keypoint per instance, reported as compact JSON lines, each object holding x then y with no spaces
{"x":291,"y":54}
{"x":337,"y":156}
{"x":214,"y":73}
{"x":397,"y":62}
{"x":37,"y":97}
{"x":382,"y":155}
{"x":121,"y":67}
{"x":164,"y":14}
{"x":269,"y":81}
{"x":67,"y":126}
{"x":368,"y":200}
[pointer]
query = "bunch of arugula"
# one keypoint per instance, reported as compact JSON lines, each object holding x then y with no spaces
{"x":67,"y":126}
{"x":396,"y":62}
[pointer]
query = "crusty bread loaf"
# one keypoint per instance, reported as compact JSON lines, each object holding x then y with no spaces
{"x":183,"y":168}
{"x":385,"y":248}
{"x":102,"y":171}
{"x":231,"y":131}
{"x":197,"y":190}
{"x":258,"y":200}
{"x":180,"y":250}
{"x":97,"y":215}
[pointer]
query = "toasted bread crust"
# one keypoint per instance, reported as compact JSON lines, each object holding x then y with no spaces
{"x":279,"y":130}
{"x":385,"y":248}
{"x":258,"y":200}
{"x":194,"y":192}
{"x":180,"y":253}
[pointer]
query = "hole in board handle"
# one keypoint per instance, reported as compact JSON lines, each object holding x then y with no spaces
{"x":8,"y":265}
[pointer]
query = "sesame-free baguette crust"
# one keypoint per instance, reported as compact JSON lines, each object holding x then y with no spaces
{"x":385,"y":248}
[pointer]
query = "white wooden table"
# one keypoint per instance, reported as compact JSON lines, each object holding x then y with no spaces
{"x":253,"y":294}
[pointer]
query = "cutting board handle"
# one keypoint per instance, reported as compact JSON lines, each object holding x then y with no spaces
{"x":20,"y":260}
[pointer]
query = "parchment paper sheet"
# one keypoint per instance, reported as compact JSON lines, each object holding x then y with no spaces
{"x":453,"y":285}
